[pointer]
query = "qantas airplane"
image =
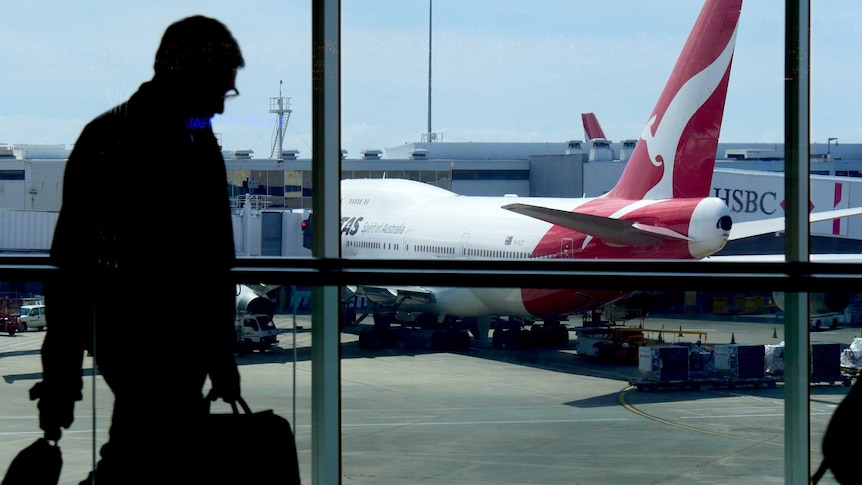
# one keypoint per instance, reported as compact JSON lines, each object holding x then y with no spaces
{"x":592,"y":128}
{"x":659,"y":209}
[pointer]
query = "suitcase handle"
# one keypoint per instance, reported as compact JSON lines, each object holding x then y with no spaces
{"x":210,"y":398}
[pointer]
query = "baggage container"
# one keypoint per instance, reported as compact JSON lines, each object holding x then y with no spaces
{"x":663,"y":362}
{"x":742,"y":361}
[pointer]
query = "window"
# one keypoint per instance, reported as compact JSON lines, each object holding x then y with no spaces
{"x":11,"y":175}
{"x":401,"y":407}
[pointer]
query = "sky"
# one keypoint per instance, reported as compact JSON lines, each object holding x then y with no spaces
{"x":504,"y":70}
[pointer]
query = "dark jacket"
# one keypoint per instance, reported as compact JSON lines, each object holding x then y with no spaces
{"x":144,"y":244}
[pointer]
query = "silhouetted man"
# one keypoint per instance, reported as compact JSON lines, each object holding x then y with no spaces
{"x":144,"y":245}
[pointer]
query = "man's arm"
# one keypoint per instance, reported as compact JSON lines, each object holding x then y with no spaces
{"x":70,"y":315}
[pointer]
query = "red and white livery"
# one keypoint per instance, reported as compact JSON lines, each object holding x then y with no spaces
{"x":659,"y":209}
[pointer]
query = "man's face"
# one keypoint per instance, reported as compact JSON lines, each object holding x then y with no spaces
{"x":209,"y":96}
{"x":227,"y":91}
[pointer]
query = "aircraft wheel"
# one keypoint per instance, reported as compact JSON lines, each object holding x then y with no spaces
{"x":413,"y":342}
{"x":368,"y":340}
{"x":537,"y":335}
{"x":521,"y":340}
{"x":348,"y":317}
{"x":561,"y":335}
{"x":438,"y":340}
{"x":388,"y":338}
{"x":462,"y":341}
{"x":498,"y":338}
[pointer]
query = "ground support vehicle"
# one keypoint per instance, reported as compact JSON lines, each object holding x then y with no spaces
{"x":831,"y":379}
{"x":9,"y":323}
{"x":698,"y":383}
{"x":851,"y":361}
{"x":255,"y":332}
{"x":10,"y":309}
{"x":621,"y":344}
{"x":850,"y":373}
{"x":685,"y":366}
{"x":32,"y":317}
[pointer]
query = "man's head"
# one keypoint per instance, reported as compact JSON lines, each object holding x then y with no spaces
{"x":200,"y":56}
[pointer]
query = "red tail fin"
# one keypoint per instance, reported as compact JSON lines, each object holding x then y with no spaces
{"x":591,"y":126}
{"x":675,"y":155}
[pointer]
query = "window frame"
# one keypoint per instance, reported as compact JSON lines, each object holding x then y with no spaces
{"x":325,"y":271}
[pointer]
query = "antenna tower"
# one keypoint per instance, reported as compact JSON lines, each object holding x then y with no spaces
{"x":281,"y":107}
{"x":429,"y":133}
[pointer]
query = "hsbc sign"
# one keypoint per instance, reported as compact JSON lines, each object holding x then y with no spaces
{"x":748,"y":201}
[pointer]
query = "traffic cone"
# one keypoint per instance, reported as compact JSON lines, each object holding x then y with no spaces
{"x":775,"y":332}
{"x":732,"y":338}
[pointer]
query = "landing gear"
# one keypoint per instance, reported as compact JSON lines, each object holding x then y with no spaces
{"x":510,"y":334}
{"x":374,"y":338}
{"x":381,"y":336}
{"x":551,"y":334}
{"x":451,"y":339}
{"x":348,"y":316}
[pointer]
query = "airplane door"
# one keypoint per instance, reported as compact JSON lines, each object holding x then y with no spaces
{"x":465,"y":244}
{"x":405,"y":245}
{"x":566,"y":248}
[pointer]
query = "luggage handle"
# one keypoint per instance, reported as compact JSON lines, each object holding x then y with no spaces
{"x":210,"y":398}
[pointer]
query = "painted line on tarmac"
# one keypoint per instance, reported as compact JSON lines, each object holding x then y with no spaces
{"x":480,"y":423}
{"x":637,"y":411}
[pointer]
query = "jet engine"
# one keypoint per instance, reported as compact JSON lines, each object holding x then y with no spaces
{"x":819,"y":303}
{"x":253,"y":301}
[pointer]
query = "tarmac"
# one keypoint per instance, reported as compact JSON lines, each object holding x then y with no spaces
{"x":487,"y":415}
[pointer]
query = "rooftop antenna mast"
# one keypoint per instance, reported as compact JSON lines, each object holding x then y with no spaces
{"x":429,"y":136}
{"x":281,"y":107}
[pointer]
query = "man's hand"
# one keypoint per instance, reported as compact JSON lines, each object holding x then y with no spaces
{"x":225,"y":381}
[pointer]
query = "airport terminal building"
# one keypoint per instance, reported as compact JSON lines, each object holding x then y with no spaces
{"x":748,"y":177}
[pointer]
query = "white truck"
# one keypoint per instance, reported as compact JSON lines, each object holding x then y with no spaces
{"x":32,"y":317}
{"x":255,"y":332}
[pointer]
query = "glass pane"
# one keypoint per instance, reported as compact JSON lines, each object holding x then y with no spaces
{"x":275,"y":357}
{"x":697,"y":374}
{"x":81,"y":63}
{"x":834,"y":152}
{"x":504,"y":97}
{"x":532,"y":78}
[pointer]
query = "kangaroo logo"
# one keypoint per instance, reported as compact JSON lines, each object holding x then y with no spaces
{"x":662,"y":137}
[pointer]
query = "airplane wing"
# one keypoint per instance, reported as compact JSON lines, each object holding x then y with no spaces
{"x":611,"y":231}
{"x":742,"y":230}
{"x":814,"y":257}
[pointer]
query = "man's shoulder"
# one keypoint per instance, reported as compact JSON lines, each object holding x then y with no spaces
{"x":114,"y":115}
{"x":107,"y":122}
